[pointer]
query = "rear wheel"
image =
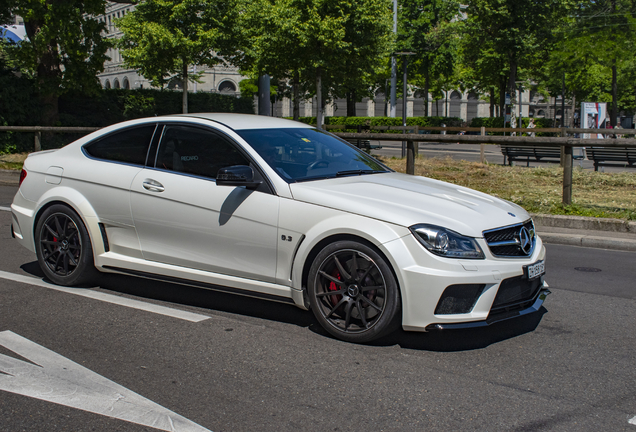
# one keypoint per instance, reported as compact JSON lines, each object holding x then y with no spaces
{"x":353,"y":292}
{"x":63,"y":247}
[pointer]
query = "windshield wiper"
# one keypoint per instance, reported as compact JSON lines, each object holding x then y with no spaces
{"x":356,"y":172}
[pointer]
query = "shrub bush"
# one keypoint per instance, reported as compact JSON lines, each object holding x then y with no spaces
{"x":19,"y":107}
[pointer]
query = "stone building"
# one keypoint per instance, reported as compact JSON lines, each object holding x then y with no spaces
{"x":218,"y":79}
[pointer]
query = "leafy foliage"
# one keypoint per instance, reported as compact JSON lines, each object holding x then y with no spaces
{"x":162,"y":38}
{"x":64,"y":50}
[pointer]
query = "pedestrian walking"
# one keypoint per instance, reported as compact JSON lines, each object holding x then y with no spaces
{"x":531,"y":125}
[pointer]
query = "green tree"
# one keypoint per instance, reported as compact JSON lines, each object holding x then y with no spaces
{"x":596,"y":53}
{"x":514,"y":31}
{"x":430,"y":29}
{"x":64,"y":50}
{"x":163,"y":38}
{"x":336,"y":44}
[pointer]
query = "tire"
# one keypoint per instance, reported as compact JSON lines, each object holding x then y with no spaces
{"x":353,"y":292}
{"x":63,"y":247}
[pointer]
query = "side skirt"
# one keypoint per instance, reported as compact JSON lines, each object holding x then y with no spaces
{"x":199,"y":284}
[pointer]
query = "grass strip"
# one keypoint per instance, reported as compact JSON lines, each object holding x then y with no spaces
{"x":538,"y":190}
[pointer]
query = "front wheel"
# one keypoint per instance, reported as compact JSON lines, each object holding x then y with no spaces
{"x":63,"y":247}
{"x":353,"y":292}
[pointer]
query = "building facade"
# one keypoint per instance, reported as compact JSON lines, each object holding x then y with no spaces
{"x":218,"y":79}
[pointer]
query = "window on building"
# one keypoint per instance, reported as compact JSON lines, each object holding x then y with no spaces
{"x":227,"y":86}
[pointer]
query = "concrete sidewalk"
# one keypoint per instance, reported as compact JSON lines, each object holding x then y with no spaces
{"x":566,"y":230}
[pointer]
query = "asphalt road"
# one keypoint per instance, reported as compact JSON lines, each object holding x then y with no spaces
{"x":251,"y":365}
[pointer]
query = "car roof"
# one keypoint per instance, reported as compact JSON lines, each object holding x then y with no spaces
{"x":248,"y":121}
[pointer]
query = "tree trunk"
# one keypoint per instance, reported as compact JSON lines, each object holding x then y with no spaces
{"x":502,"y":97}
{"x":573,"y":109}
{"x":184,"y":79}
{"x":512,"y":86}
{"x":492,"y":102}
{"x":351,"y":103}
{"x":296,"y":101}
{"x":446,"y":104}
{"x":426,"y":88}
{"x":614,"y":96}
{"x":319,"y":116}
{"x":49,"y":74}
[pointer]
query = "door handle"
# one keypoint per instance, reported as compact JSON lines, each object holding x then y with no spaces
{"x":152,"y":185}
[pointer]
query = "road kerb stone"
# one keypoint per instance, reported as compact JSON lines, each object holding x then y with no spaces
{"x":589,"y":241}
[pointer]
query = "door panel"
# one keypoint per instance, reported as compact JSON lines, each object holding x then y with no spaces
{"x":194,"y":223}
{"x":183,"y":218}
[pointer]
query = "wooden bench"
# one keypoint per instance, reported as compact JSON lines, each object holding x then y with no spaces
{"x":616,"y":156}
{"x":538,"y":154}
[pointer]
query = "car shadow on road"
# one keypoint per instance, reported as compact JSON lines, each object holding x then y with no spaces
{"x":186,"y":295}
{"x":466,"y":339}
{"x":438,"y":340}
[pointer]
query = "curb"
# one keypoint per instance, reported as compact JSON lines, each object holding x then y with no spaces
{"x":594,"y":227}
{"x":589,"y":241}
{"x":584,"y":223}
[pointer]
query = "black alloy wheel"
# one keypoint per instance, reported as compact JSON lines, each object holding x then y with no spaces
{"x":353,"y":292}
{"x":63,"y":246}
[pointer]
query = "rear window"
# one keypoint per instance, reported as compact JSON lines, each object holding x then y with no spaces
{"x":127,"y":146}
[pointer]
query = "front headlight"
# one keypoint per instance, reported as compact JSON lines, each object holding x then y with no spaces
{"x":447,"y":243}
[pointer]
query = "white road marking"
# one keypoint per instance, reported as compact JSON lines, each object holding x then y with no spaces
{"x":632,"y":420}
{"x":109,"y":298}
{"x":5,"y":208}
{"x":61,"y":381}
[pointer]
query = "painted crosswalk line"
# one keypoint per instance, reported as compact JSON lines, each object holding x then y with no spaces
{"x":53,"y":378}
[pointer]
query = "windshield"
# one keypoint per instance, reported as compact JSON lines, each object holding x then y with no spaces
{"x":308,"y":154}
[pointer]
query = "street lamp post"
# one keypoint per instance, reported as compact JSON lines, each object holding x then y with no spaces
{"x":393,"y":67}
{"x":520,"y":87}
{"x":405,"y":55}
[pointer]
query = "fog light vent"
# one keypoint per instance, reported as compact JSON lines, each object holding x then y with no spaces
{"x":459,"y":299}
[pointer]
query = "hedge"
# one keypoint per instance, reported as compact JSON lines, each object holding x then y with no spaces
{"x":19,"y":107}
{"x":353,"y":122}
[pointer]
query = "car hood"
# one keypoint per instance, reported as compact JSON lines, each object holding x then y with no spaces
{"x":408,"y":200}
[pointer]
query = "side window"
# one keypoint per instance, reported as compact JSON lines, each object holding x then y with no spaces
{"x":196,"y":151}
{"x":128,"y":146}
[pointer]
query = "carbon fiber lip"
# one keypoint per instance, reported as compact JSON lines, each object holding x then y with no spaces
{"x":536,"y":305}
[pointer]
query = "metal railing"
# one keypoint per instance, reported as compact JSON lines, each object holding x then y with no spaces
{"x":564,"y":142}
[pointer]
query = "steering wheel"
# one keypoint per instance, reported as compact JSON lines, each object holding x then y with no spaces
{"x":318,"y":164}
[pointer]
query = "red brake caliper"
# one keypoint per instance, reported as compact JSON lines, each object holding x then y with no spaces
{"x":333,"y":287}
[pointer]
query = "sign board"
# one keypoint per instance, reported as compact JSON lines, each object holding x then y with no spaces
{"x":593,"y":117}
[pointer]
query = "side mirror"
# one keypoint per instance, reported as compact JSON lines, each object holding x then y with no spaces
{"x":237,"y":175}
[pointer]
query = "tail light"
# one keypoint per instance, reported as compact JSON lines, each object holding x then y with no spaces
{"x":23,"y":175}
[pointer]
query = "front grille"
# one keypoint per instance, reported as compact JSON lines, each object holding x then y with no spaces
{"x":507,"y":241}
{"x":514,"y":292}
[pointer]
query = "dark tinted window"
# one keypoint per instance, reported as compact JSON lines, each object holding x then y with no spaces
{"x":196,"y":151}
{"x":307,"y":154}
{"x":128,"y":146}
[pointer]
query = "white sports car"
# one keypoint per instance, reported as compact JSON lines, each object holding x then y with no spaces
{"x":276,"y":209}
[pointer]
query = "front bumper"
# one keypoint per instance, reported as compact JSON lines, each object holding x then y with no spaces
{"x":502,"y":292}
{"x":535,"y":305}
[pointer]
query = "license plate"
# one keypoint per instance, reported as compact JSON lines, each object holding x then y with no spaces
{"x":535,"y":270}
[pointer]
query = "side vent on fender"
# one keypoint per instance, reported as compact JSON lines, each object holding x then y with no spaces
{"x":102,"y":228}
